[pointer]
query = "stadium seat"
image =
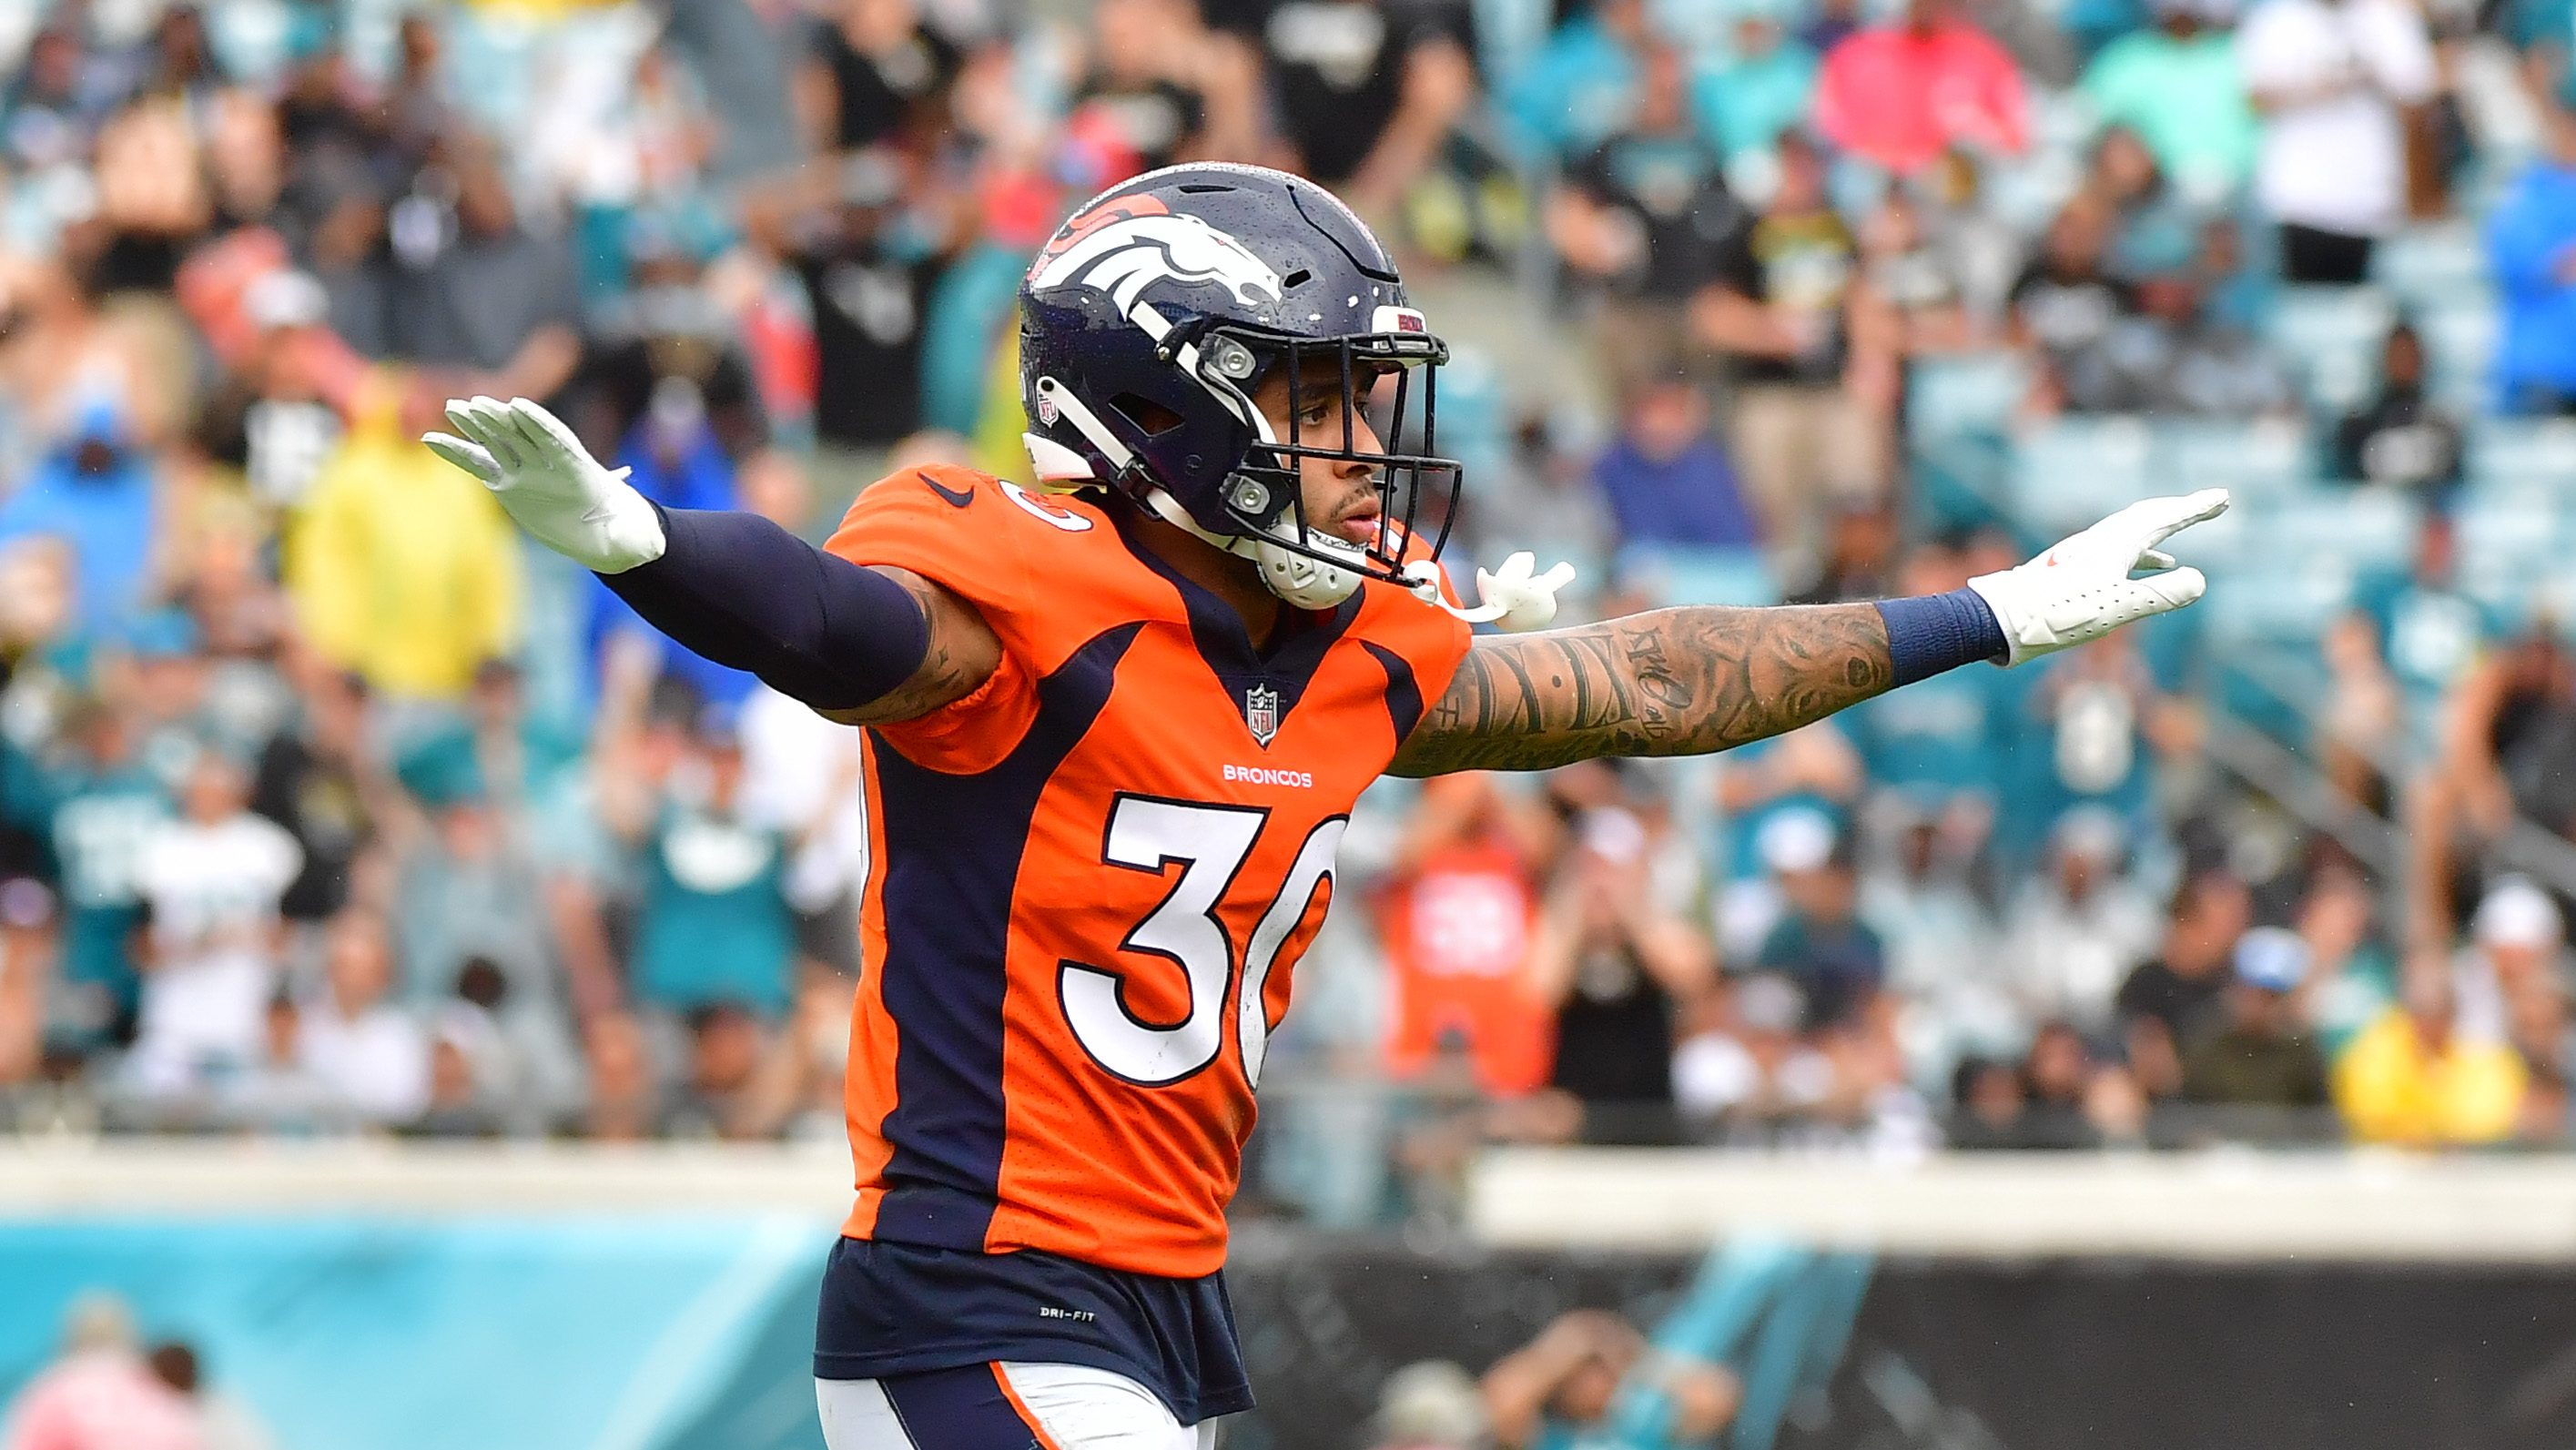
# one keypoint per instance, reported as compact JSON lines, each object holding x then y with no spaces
{"x":2532,"y":452}
{"x":1974,"y":394}
{"x":2333,"y":335}
{"x":2430,"y":266}
{"x":2510,"y":539}
{"x":2254,"y":461}
{"x":1674,"y":575}
{"x":2359,"y":530}
{"x":2460,"y":343}
{"x":2074,"y":470}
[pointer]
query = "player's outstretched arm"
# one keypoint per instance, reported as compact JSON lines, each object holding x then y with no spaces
{"x":1703,"y":678}
{"x":861,"y":644}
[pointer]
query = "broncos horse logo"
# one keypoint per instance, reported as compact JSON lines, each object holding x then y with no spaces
{"x":1124,"y":246}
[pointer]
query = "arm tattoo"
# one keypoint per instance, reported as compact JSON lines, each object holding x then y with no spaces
{"x":1672,"y":682}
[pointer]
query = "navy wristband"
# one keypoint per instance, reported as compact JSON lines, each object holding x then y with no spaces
{"x":1936,"y":632}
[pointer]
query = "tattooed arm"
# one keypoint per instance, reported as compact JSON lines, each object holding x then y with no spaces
{"x":1673,"y":682}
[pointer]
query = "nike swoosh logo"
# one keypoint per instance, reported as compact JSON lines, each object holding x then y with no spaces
{"x":955,"y":498}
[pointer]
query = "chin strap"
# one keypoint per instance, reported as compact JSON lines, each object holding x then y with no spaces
{"x":1516,"y":596}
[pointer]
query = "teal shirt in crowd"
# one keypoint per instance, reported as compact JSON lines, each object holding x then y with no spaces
{"x":2551,"y":23}
{"x":1744,"y":104}
{"x":716,"y":926}
{"x":2185,"y":99}
{"x":95,"y":821}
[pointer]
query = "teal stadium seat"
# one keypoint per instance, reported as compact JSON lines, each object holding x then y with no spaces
{"x":2254,"y":462}
{"x":2430,"y":266}
{"x":2460,"y":343}
{"x":2070,"y":471}
{"x":2332,"y":335}
{"x":1674,"y":575}
{"x":1972,"y":395}
{"x":2525,"y":452}
{"x":2511,"y":540}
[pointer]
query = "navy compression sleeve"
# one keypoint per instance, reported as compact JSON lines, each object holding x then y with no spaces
{"x":1936,"y":632}
{"x":743,"y":592}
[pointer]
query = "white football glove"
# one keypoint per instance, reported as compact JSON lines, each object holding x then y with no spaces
{"x":550,"y":485}
{"x":1516,"y":596}
{"x":2081,"y":589}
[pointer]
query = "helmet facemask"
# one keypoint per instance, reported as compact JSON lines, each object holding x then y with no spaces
{"x":1264,"y":496}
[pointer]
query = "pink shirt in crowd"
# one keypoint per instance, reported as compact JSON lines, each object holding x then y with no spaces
{"x":1900,"y":97}
{"x":101,"y":1400}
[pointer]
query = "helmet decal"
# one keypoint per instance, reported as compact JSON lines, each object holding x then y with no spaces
{"x":1122,"y":255}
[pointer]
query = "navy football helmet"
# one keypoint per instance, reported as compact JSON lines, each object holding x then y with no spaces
{"x":1152,"y":316}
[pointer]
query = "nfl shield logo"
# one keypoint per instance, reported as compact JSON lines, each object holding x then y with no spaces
{"x":1261,"y":712}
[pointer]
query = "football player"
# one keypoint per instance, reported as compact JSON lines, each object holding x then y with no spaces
{"x":1115,"y":729}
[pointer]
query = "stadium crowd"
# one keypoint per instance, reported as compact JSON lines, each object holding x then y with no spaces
{"x":327,"y":806}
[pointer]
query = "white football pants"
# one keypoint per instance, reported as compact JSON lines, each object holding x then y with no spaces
{"x":1002,"y":1407}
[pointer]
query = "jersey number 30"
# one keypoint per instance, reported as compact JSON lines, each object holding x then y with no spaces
{"x":1211,"y":843}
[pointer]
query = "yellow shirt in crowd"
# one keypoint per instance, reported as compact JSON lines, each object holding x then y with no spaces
{"x":401,"y":567}
{"x":2394,"y":1088}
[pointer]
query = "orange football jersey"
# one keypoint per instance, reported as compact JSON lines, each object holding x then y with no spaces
{"x":1092,"y":878}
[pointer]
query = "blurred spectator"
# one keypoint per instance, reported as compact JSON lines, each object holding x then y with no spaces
{"x":1786,"y":310}
{"x":2063,"y":1085}
{"x":223,"y":1421}
{"x":1760,"y":83}
{"x":100,"y":1394}
{"x":2332,"y":80}
{"x":402,"y":568}
{"x":2516,"y":952}
{"x":2257,"y":1056}
{"x":1922,"y":285}
{"x":713,"y":923}
{"x":879,"y":72}
{"x":1576,"y":90}
{"x":1617,"y":970}
{"x":1149,"y":91}
{"x":2400,"y":438}
{"x":1902,"y":94}
{"x":2151,"y":227}
{"x":97,"y":809}
{"x":1647,"y":216}
{"x":1366,"y":90}
{"x":2361,"y":721}
{"x":1746,"y":1072}
{"x":2413,"y":1079}
{"x":319,"y":779}
{"x":1820,"y":942}
{"x":868,"y":264}
{"x":477,"y":289}
{"x":1431,"y":1405}
{"x":2434,"y":632}
{"x":2067,"y":301}
{"x":2170,"y":1001}
{"x":719,"y":1096}
{"x":2531,"y":241}
{"x":1667,"y":479}
{"x":470,"y":890}
{"x":367,"y":1055}
{"x":1564,"y":1386}
{"x":624,"y":1101}
{"x":1457,"y":913}
{"x":1952,"y":986}
{"x":2179,"y":88}
{"x":95,"y":492}
{"x":212,"y":880}
{"x":2174,"y":356}
{"x":2080,"y":928}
